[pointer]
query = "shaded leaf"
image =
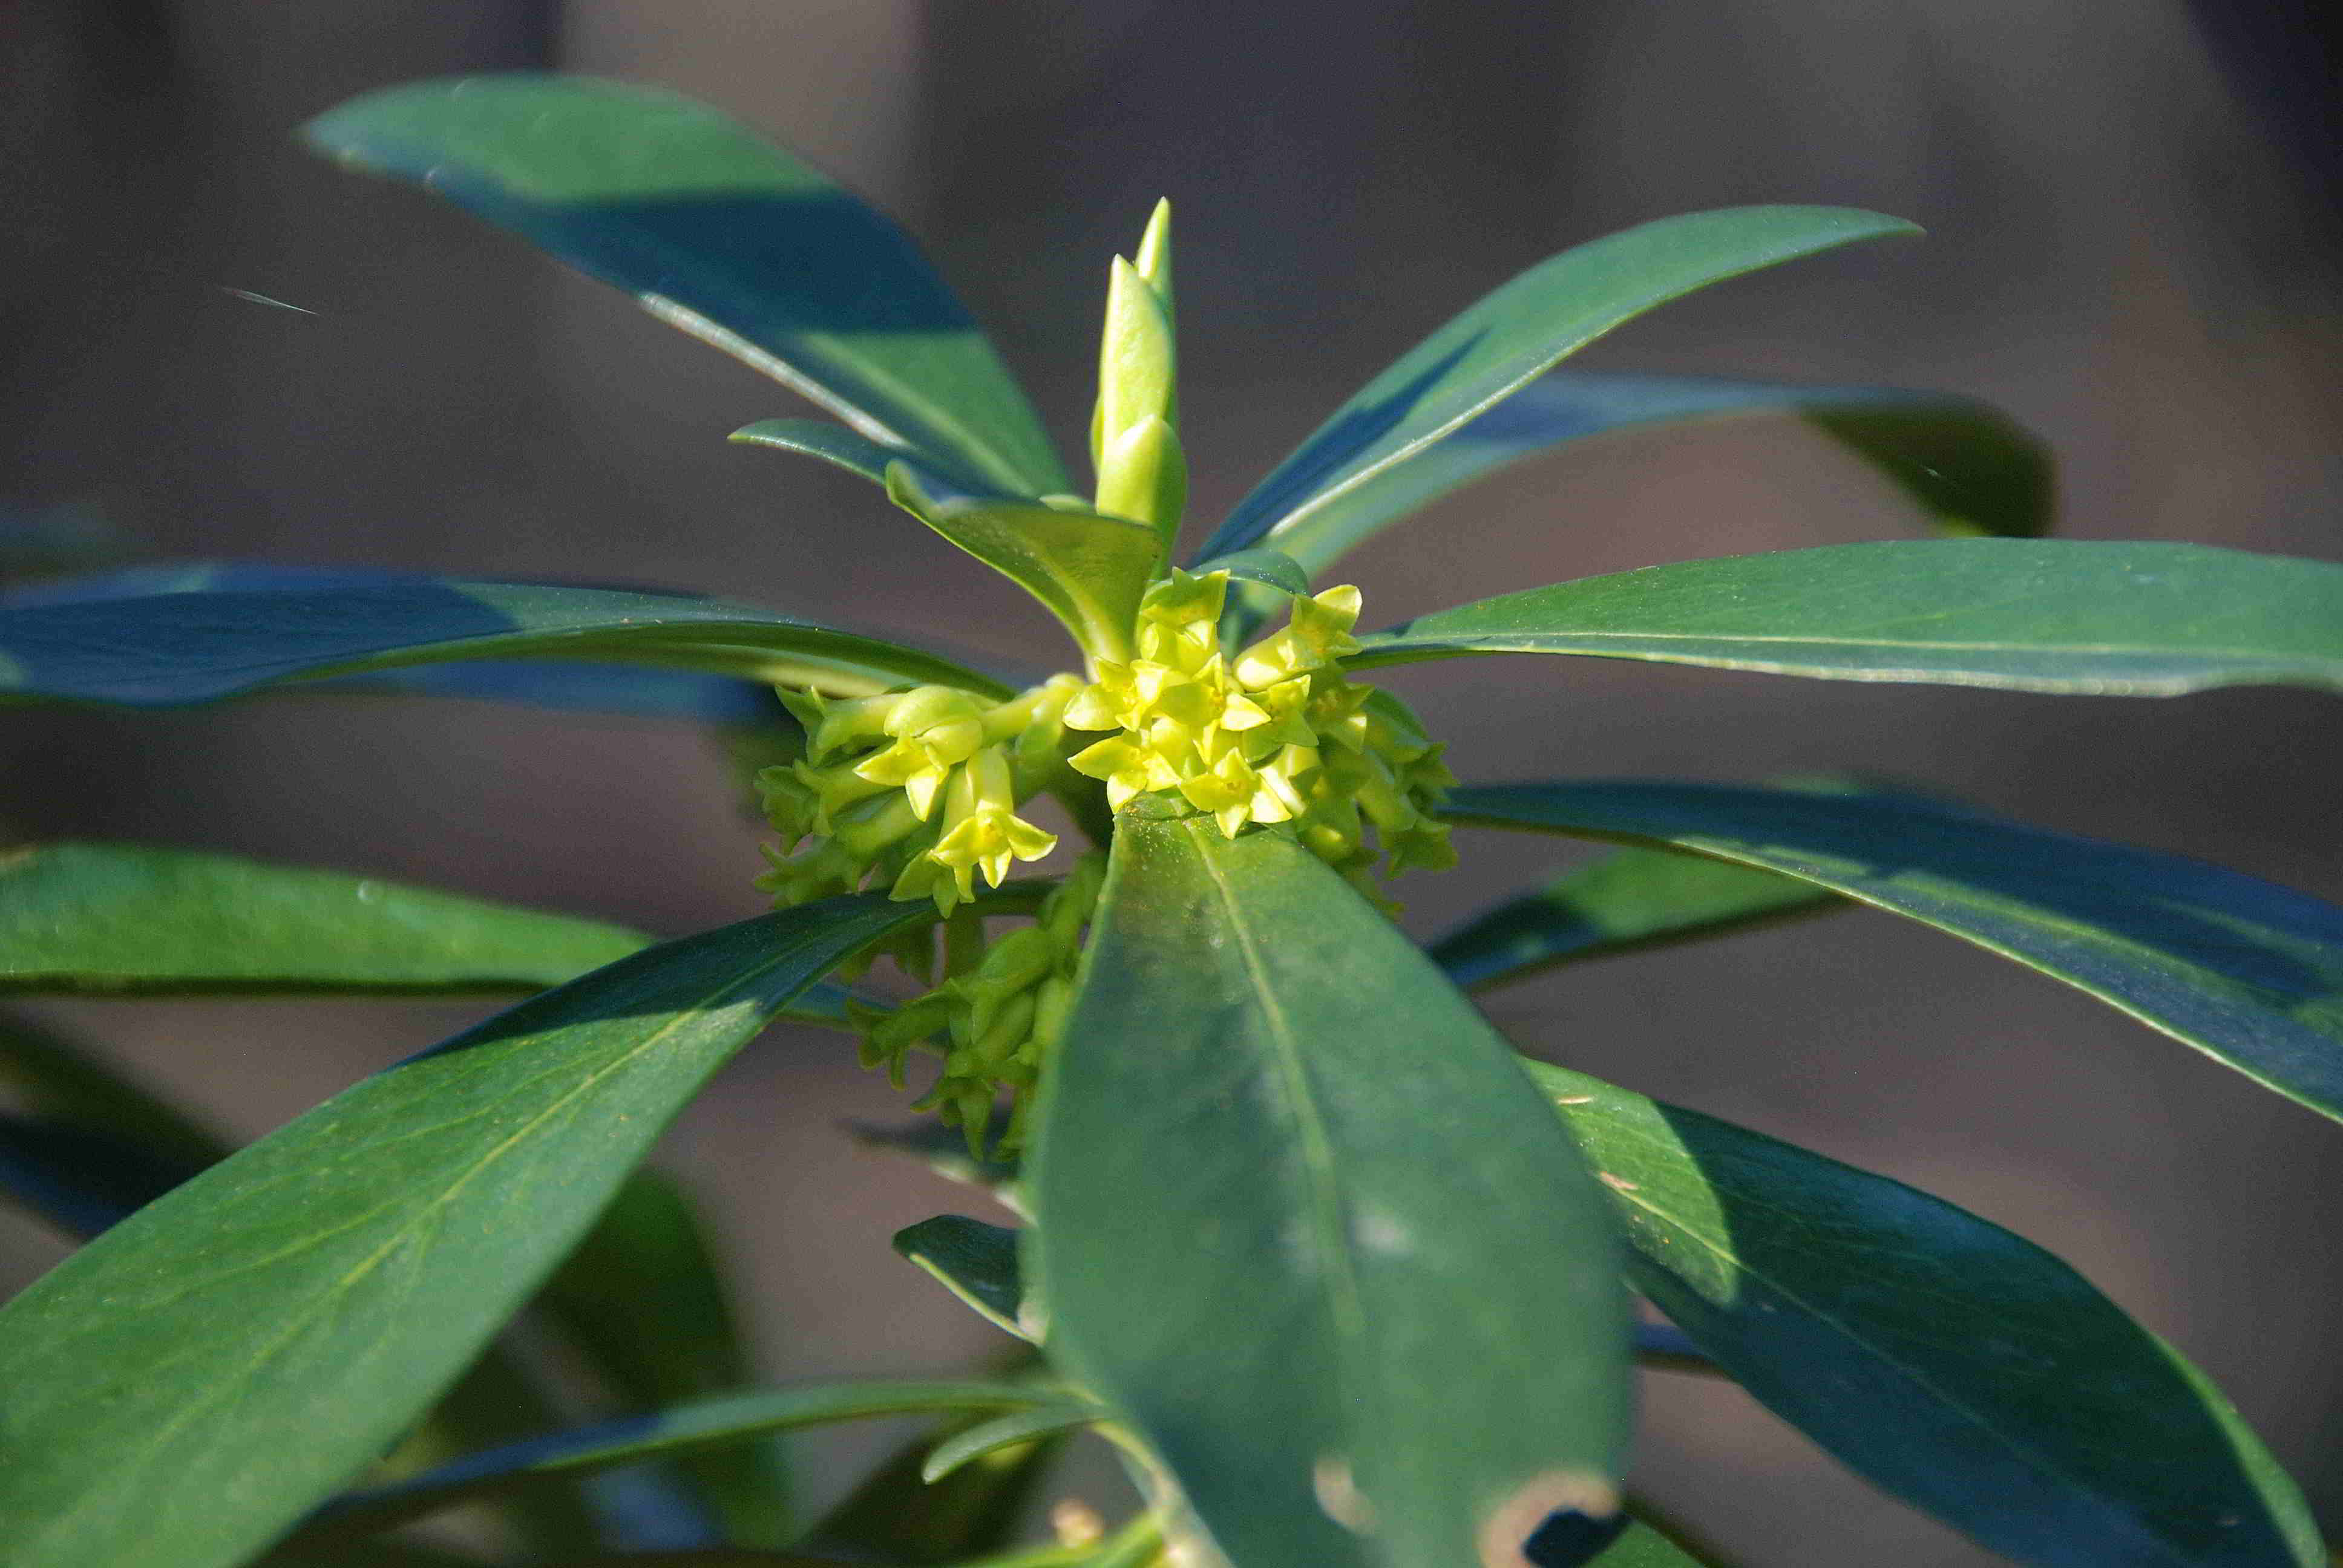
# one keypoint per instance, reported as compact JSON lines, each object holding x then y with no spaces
{"x":359,"y":1257}
{"x":1293,"y":1202}
{"x":2249,"y":973}
{"x":892,"y":1515}
{"x":832,"y":444}
{"x":2091,"y":619}
{"x":1958,"y":1366}
{"x":578,"y":687}
{"x":703,"y":1424}
{"x":712,"y":230}
{"x":1522,"y":329}
{"x":1628,"y":899}
{"x":169,"y":648}
{"x":1962,"y":465}
{"x":1011,"y":1431}
{"x":973,"y":1260}
{"x":643,"y":1300}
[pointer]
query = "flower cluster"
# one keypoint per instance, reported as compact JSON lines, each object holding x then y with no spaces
{"x":997,"y":1012}
{"x":1275,"y":734}
{"x":918,"y":789}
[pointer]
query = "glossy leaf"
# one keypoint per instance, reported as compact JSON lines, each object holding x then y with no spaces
{"x":835,"y":444}
{"x":1272,"y":568}
{"x":2246,"y":972}
{"x":2090,"y":618}
{"x":359,"y":1257}
{"x":1958,"y":1366}
{"x":111,"y":917}
{"x":172,"y":649}
{"x":1961,"y":464}
{"x":712,"y":230}
{"x":703,"y":1424}
{"x":1521,"y":330}
{"x":1011,"y":1430}
{"x":642,"y":1299}
{"x":1292,"y":1203}
{"x":580,"y":687}
{"x":1629,"y":900}
{"x":1087,"y":569}
{"x":973,"y":1260}
{"x":102,"y":1148}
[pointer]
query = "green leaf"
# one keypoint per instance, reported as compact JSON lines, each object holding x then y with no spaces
{"x":104,"y":1148}
{"x":354,"y":1260}
{"x":2245,"y":971}
{"x":973,"y":1260}
{"x":2090,"y":619}
{"x":1958,"y":1366}
{"x":685,"y":1428}
{"x":1293,"y":1203}
{"x":712,"y":230}
{"x":1641,"y":1546}
{"x":833,"y":444}
{"x":173,"y":648}
{"x":1963,"y":465}
{"x":114,"y":918}
{"x":578,"y":687}
{"x":1521,"y":330}
{"x":1012,"y":1430}
{"x":1629,"y":900}
{"x":892,"y":1515}
{"x":1087,"y":569}
{"x":1272,"y":568}
{"x":642,"y":1299}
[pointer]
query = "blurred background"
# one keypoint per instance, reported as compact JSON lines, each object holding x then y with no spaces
{"x":2133,"y":250}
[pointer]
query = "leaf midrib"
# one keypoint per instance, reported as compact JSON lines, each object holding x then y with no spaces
{"x":223,"y":1389}
{"x":1735,"y":1264}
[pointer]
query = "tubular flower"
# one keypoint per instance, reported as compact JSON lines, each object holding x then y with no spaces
{"x":1275,"y":734}
{"x":917,"y":788}
{"x":997,"y":1012}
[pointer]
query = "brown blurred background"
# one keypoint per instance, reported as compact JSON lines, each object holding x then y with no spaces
{"x":2132,"y":249}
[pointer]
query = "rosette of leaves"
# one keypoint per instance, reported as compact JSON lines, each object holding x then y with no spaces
{"x":1346,"y":1279}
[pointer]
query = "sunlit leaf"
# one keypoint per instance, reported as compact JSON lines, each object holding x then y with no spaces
{"x":713,"y":230}
{"x":1293,"y":1203}
{"x":2085,"y":617}
{"x":359,"y":1257}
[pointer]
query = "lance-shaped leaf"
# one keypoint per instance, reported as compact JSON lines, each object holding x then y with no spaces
{"x":715,"y":231}
{"x":1009,"y":1432}
{"x":578,"y":688}
{"x":1963,"y":466}
{"x":1521,"y":330}
{"x":356,"y":1260}
{"x":112,"y":918}
{"x":643,"y":1299}
{"x":1087,"y":569}
{"x":973,"y":1260}
{"x":103,"y":1148}
{"x":1960,"y":1367}
{"x":171,"y":648}
{"x":1629,"y":900}
{"x":1294,"y":1203}
{"x":2246,"y":972}
{"x":2090,"y":618}
{"x":683,"y":1429}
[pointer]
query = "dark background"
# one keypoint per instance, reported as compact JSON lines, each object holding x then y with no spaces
{"x":2131,"y":250}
